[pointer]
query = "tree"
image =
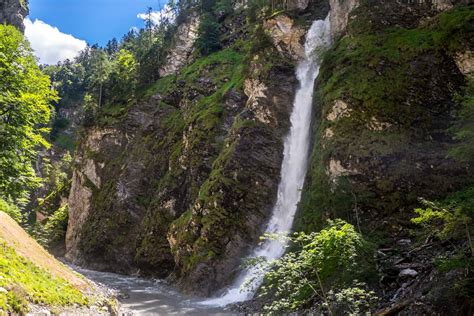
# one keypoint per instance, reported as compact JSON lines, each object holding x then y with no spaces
{"x":25,"y":110}
{"x":124,"y":75}
{"x":112,"y":47}
{"x":101,"y":68}
{"x":208,"y":35}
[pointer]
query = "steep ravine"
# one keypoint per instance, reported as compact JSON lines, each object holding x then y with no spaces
{"x":182,"y":182}
{"x":185,"y":180}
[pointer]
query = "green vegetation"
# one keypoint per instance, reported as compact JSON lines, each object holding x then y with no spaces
{"x":52,"y":231}
{"x":24,"y":282}
{"x":208,"y":40}
{"x":323,"y":270}
{"x":463,"y":127}
{"x":12,"y":210}
{"x":24,"y":114}
{"x":451,"y":219}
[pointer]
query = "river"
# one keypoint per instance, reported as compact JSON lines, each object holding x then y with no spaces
{"x":139,"y":296}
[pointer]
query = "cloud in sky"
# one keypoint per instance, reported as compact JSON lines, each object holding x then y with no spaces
{"x":49,"y":44}
{"x":157,"y":16}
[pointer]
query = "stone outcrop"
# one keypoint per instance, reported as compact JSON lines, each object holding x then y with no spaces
{"x":85,"y":181}
{"x":340,"y":10}
{"x":286,"y":36}
{"x":183,"y":46}
{"x":13,"y":12}
{"x":227,"y":219}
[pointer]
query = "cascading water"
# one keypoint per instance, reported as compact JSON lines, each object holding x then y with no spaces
{"x":294,"y":164}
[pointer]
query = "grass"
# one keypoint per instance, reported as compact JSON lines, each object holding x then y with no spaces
{"x":25,"y":282}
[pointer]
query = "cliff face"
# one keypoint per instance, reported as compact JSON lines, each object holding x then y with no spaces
{"x":182,"y":182}
{"x":384,"y":105}
{"x":13,"y":12}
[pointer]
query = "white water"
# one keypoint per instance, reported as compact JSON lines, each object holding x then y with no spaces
{"x":294,"y":165}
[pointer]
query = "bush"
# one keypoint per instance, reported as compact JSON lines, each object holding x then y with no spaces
{"x":12,"y":210}
{"x":331,"y":258}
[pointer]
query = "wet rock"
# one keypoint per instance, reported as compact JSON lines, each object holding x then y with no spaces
{"x":404,"y":242}
{"x":408,"y":273}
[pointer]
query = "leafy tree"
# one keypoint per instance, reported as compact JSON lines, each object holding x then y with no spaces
{"x":124,"y":74}
{"x":12,"y":210}
{"x":101,"y":68}
{"x":452,"y":218}
{"x":25,"y":97}
{"x":208,"y":35}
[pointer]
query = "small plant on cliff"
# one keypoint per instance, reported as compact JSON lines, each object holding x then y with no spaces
{"x":329,"y":259}
{"x":452,"y":219}
{"x":449,"y":220}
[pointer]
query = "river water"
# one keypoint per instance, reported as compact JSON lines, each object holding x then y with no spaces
{"x":139,"y":296}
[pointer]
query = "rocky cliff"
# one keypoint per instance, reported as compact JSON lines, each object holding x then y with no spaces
{"x":13,"y":12}
{"x":385,"y":103}
{"x":182,"y":181}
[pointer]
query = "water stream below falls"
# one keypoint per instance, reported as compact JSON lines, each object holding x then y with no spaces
{"x":294,"y":165}
{"x":139,"y":296}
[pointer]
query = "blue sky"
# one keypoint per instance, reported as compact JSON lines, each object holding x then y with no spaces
{"x":60,"y":29}
{"x":95,"y":21}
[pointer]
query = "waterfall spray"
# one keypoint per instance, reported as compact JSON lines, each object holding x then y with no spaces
{"x":294,"y":165}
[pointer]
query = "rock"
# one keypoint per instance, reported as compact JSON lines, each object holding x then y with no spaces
{"x":286,"y":36}
{"x":404,"y":242}
{"x":339,"y":110}
{"x":13,"y":12}
{"x":465,"y":61}
{"x":408,"y":273}
{"x":297,"y":4}
{"x":340,"y":10}
{"x":85,"y":180}
{"x":180,"y":53}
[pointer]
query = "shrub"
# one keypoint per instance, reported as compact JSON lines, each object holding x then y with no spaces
{"x":12,"y":210}
{"x":331,"y":258}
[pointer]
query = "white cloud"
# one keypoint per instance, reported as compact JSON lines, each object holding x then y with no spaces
{"x":49,"y":44}
{"x":157,"y":16}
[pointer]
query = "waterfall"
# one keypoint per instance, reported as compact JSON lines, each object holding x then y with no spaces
{"x":294,"y":165}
